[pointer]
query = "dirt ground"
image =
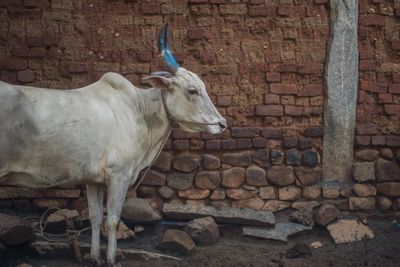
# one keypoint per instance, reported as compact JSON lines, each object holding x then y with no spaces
{"x":233,"y":249}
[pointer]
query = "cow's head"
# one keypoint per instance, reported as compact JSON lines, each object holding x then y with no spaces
{"x":184,"y":94}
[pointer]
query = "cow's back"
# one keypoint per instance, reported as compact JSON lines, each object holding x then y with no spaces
{"x":49,"y":136}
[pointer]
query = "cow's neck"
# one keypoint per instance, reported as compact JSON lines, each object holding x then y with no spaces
{"x":154,"y":114}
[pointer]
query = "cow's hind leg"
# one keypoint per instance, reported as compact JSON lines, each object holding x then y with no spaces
{"x":115,"y":199}
{"x":95,"y":195}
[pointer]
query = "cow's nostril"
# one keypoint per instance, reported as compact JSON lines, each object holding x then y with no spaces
{"x":222,"y":125}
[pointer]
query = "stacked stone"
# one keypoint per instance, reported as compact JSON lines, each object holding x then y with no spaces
{"x":258,"y":178}
{"x":377,"y":177}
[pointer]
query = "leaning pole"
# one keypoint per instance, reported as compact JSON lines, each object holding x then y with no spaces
{"x":341,"y":82}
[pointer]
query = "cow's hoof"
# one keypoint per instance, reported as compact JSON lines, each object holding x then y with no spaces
{"x":97,"y":262}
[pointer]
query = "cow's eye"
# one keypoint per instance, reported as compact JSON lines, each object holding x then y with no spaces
{"x":193,"y":91}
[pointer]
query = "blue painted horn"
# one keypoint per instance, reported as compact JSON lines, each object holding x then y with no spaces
{"x":165,"y":50}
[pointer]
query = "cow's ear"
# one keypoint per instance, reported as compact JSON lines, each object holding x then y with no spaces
{"x":160,"y":79}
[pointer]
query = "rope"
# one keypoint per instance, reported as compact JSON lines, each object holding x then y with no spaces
{"x":54,"y":238}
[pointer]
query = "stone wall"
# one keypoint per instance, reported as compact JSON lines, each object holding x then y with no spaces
{"x":263,"y":64}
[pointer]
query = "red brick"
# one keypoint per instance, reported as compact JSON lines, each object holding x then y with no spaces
{"x":311,"y":90}
{"x":372,"y":20}
{"x":385,"y":98}
{"x":213,"y":144}
{"x":224,"y":101}
{"x":198,"y":1}
{"x":257,"y":2}
{"x":196,"y":144}
{"x":397,"y":11}
{"x":283,"y":89}
{"x":284,"y":10}
{"x":392,"y":140}
{"x":310,"y":68}
{"x":366,"y":128}
{"x":219,"y":1}
{"x":273,"y":133}
{"x":259,"y":142}
{"x":394,"y":88}
{"x":37,"y":52}
{"x":373,"y":87}
{"x":229,"y":144}
{"x":269,"y":110}
{"x":195,"y":33}
{"x":26,"y":76}
{"x":245,"y":131}
{"x":367,"y":65}
{"x":392,"y":109}
{"x":378,"y":140}
{"x":257,"y":11}
{"x":243,"y":143}
{"x":273,"y":76}
{"x":144,"y":56}
{"x":290,"y":142}
{"x":396,"y":44}
{"x":271,"y":99}
{"x":10,"y":63}
{"x":257,"y":77}
{"x":34,"y":41}
{"x":315,"y":131}
{"x":363,"y":140}
{"x":150,"y":8}
{"x":396,"y":77}
{"x":77,"y":67}
{"x":293,"y":111}
{"x":180,"y":134}
{"x":207,"y":57}
{"x":181,"y":144}
{"x":320,"y":2}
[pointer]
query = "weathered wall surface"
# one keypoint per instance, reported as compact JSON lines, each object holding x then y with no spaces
{"x":263,"y":63}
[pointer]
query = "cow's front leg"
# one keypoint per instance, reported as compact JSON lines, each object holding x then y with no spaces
{"x":95,"y":195}
{"x":115,"y":199}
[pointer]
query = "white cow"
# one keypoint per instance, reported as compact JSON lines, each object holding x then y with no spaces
{"x":101,"y":135}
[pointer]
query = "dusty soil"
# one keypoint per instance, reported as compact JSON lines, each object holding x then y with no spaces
{"x":233,"y":249}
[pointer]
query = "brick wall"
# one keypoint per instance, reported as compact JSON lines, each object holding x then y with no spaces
{"x":263,"y":64}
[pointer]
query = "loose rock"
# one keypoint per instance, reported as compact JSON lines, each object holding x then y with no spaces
{"x":326,"y":214}
{"x":281,"y":231}
{"x":386,"y":153}
{"x":252,"y":203}
{"x":364,"y":171}
{"x":226,"y":215}
{"x":344,"y":231}
{"x":186,"y":162}
{"x":367,"y":154}
{"x":277,"y":157}
{"x":276,"y":205}
{"x":210,"y":162}
{"x":267,"y":192}
{"x":303,"y":216}
{"x":138,"y":210}
{"x":13,"y":230}
{"x":194,"y":193}
{"x":123,"y":231}
{"x":233,"y":178}
{"x":281,"y":175}
{"x":298,"y":250}
{"x":256,"y":176}
{"x":390,"y":189}
{"x":289,"y":193}
{"x":384,"y":203}
{"x":293,"y":157}
{"x":387,"y":171}
{"x":204,"y":231}
{"x":308,"y":176}
{"x":364,"y":190}
{"x":177,"y":241}
{"x":208,"y":179}
{"x":362,"y":203}
{"x":180,"y":181}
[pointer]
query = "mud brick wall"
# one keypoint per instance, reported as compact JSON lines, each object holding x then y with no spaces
{"x":263,"y":64}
